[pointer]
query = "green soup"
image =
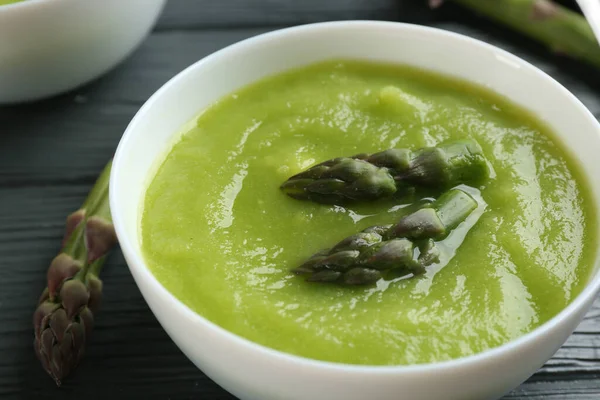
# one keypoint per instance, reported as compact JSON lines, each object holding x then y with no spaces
{"x":219,"y":234}
{"x":4,"y":2}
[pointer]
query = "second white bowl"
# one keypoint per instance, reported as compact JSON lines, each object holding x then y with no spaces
{"x":50,"y":46}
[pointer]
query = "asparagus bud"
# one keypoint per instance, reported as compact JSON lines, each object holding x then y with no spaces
{"x":369,"y":177}
{"x":560,"y":29}
{"x":363,"y":258}
{"x":64,"y":318}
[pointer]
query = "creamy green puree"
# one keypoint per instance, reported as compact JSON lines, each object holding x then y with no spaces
{"x":4,"y":2}
{"x":219,"y":234}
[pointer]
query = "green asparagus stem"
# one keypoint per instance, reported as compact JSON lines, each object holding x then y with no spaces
{"x":365,"y":257}
{"x":557,"y":27}
{"x":379,"y":175}
{"x":64,"y":317}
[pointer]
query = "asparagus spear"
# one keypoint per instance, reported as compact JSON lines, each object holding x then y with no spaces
{"x":379,"y":175}
{"x":557,"y":27}
{"x":363,"y":258}
{"x":64,"y":317}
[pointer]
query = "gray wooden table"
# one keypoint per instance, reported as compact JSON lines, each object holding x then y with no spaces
{"x":52,"y":151}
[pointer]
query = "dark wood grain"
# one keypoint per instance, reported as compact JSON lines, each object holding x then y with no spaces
{"x":189,"y":14}
{"x":52,"y":151}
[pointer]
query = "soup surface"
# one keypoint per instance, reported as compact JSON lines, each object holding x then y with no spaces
{"x":221,"y":236}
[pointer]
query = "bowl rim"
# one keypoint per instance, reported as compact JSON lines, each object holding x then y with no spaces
{"x":136,"y":261}
{"x":23,"y":4}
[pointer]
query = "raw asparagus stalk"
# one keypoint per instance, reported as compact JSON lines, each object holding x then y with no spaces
{"x":363,"y":258}
{"x":64,"y":317}
{"x":562,"y":30}
{"x":379,"y":175}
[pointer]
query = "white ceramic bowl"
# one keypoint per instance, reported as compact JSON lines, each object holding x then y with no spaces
{"x":50,"y":46}
{"x":253,"y":372}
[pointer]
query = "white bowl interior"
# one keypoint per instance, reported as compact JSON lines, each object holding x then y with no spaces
{"x":151,"y":133}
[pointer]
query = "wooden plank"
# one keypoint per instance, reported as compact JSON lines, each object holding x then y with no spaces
{"x":229,"y":14}
{"x":558,"y":389}
{"x":187,"y":14}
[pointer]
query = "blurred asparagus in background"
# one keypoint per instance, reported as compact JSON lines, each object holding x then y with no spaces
{"x":564,"y":31}
{"x":64,"y":317}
